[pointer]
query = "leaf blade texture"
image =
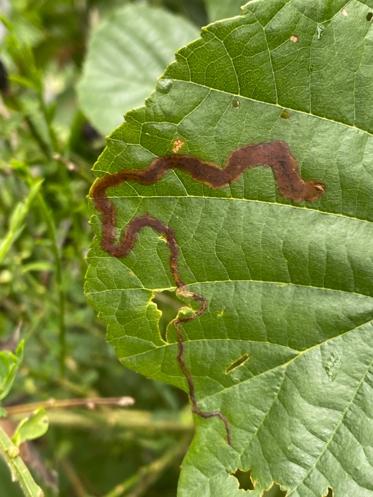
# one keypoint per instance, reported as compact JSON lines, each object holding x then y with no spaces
{"x":285,"y":348}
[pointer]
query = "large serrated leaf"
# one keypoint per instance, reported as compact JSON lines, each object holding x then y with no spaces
{"x":289,"y":285}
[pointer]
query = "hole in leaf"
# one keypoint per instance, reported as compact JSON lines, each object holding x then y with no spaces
{"x":244,"y":479}
{"x":294,"y":38}
{"x":369,"y":16}
{"x":237,"y":363}
{"x":275,"y":491}
{"x":169,"y":305}
{"x":330,"y":493}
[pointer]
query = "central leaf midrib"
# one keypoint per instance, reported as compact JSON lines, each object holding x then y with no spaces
{"x":284,"y":365}
{"x":234,"y":281}
{"x":274,"y":104}
{"x":338,"y":425}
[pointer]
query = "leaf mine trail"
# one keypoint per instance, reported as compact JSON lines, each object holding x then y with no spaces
{"x":275,"y":154}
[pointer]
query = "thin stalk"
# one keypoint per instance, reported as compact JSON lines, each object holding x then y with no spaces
{"x":44,"y":147}
{"x":138,"y":484}
{"x":133,"y":420}
{"x":18,"y":468}
{"x":89,"y":403}
{"x":44,"y":110}
{"x":76,"y":483}
{"x":51,"y":228}
{"x":12,"y":103}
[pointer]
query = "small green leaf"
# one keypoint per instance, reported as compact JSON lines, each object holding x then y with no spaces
{"x":16,"y":221}
{"x":9,"y":365}
{"x":35,"y":426}
{"x":126,"y":54}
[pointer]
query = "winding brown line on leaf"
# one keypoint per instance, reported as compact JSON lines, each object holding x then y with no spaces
{"x":275,"y":154}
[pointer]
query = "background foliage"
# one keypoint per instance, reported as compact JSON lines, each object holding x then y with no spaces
{"x":44,"y":235}
{"x":64,"y":83}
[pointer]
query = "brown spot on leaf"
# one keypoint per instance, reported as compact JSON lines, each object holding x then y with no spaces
{"x":236,"y":103}
{"x":177,"y":145}
{"x":237,"y":363}
{"x":285,"y":114}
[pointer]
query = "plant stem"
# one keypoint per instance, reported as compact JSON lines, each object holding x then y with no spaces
{"x":89,"y":403}
{"x":133,"y":420}
{"x":61,"y":294}
{"x":138,"y":484}
{"x":44,"y":147}
{"x":19,"y":470}
{"x":75,"y":481}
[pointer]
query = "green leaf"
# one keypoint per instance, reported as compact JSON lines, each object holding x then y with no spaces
{"x":17,"y":219}
{"x":126,"y":54}
{"x":31,"y":428}
{"x":285,"y":348}
{"x":217,"y":9}
{"x":9,"y":365}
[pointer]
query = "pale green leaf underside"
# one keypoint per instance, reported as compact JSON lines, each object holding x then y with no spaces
{"x":289,"y":285}
{"x":129,"y":49}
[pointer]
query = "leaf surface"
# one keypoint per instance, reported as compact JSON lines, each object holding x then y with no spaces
{"x":285,"y":348}
{"x":30,"y":428}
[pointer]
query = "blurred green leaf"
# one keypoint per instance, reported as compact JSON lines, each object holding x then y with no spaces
{"x":127,"y":52}
{"x":9,"y":365}
{"x":31,"y":428}
{"x":218,"y":9}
